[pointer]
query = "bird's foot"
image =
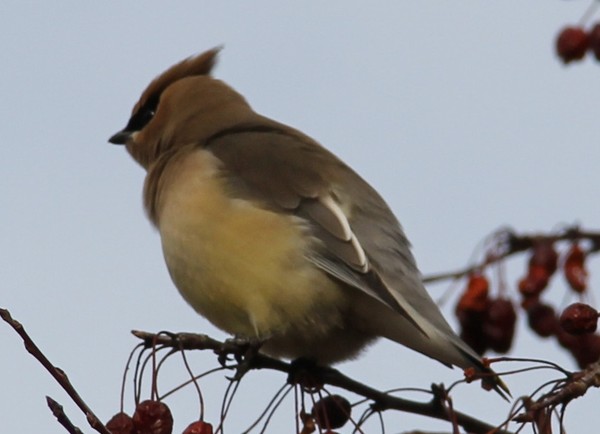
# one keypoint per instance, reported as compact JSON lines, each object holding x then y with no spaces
{"x":243,"y":351}
{"x":307,"y":374}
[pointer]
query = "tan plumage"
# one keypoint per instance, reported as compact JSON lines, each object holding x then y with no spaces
{"x":269,"y":235}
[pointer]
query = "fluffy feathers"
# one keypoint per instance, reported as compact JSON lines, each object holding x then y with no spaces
{"x":269,"y":235}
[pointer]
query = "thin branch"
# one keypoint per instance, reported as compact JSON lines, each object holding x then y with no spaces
{"x":510,"y":244}
{"x":382,"y":401}
{"x":58,"y":374}
{"x":576,"y":387}
{"x":61,"y":417}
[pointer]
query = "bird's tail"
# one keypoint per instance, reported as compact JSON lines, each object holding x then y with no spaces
{"x":490,"y":380}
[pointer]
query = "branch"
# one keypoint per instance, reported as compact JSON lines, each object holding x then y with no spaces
{"x":575,"y":387}
{"x":507,"y":243}
{"x":55,"y":371}
{"x":61,"y":417}
{"x":382,"y":400}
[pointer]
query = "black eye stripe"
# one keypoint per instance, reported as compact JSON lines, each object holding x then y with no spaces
{"x":144,"y":115}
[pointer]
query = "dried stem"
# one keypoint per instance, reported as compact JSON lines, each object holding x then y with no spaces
{"x":61,"y":417}
{"x":382,"y":401}
{"x":512,"y":244}
{"x":56,"y":372}
{"x":575,"y":387}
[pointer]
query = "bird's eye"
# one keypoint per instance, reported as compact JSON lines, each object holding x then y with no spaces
{"x":144,"y":115}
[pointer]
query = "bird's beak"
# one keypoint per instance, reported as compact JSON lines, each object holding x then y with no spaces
{"x":120,"y":138}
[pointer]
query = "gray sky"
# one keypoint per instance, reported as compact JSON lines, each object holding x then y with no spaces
{"x":458,"y":113}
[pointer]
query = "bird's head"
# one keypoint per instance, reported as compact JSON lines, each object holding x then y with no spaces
{"x":181,"y":107}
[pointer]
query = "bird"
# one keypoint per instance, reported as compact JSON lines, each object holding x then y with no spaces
{"x":273,"y":238}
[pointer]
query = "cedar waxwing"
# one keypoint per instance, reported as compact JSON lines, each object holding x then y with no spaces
{"x":270,"y":236}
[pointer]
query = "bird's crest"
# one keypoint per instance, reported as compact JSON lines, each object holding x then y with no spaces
{"x":201,"y":64}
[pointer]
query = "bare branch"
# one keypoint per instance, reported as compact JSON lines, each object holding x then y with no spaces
{"x":61,"y":417}
{"x":575,"y":387}
{"x":509,"y":243}
{"x":58,"y":374}
{"x":381,"y":400}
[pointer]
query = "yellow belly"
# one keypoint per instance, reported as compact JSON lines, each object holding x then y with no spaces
{"x":240,"y":266}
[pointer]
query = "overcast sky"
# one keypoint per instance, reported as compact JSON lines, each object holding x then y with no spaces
{"x":459,"y":113}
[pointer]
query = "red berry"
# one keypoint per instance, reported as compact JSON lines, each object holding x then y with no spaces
{"x":332,"y":412}
{"x":199,"y":427}
{"x":579,"y":318}
{"x":535,"y":282}
{"x":475,"y":297}
{"x":595,"y":40}
{"x":529,"y":302}
{"x":121,"y":423}
{"x":542,"y":319}
{"x":587,"y":349}
{"x":545,"y":256}
{"x":571,"y":44}
{"x":153,"y":417}
{"x":567,"y":340}
{"x":542,"y":264}
{"x":499,"y":324}
{"x":471,"y":330}
{"x":574,"y":269}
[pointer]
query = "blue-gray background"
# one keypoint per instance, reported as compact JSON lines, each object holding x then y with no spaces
{"x":458,"y":113}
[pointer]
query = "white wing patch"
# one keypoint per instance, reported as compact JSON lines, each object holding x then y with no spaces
{"x":346,"y":231}
{"x":342,"y":221}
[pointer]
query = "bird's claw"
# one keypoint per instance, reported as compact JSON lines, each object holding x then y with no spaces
{"x":243,"y":350}
{"x":307,"y":374}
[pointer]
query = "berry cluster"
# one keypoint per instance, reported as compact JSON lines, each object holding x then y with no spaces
{"x":573,"y":43}
{"x":152,"y":417}
{"x":488,"y":323}
{"x":327,"y":414}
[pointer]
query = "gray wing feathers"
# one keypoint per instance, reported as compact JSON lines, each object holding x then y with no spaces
{"x":361,"y":244}
{"x":267,"y":163}
{"x":389,"y":252}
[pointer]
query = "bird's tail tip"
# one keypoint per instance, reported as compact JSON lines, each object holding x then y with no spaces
{"x":490,"y":380}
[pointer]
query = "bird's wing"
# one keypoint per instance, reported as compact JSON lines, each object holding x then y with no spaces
{"x":361,"y":241}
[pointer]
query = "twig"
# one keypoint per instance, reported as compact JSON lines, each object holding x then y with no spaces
{"x":576,"y":387}
{"x":512,"y":244}
{"x":61,"y":417}
{"x":382,"y":401}
{"x":58,"y":374}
